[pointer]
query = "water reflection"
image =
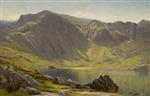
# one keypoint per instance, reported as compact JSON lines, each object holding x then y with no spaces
{"x":144,"y":70}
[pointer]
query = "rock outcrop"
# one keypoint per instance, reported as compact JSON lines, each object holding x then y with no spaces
{"x":48,"y":35}
{"x":61,"y":81}
{"x":13,"y":80}
{"x":103,"y":83}
{"x":133,"y":93}
{"x":143,"y":29}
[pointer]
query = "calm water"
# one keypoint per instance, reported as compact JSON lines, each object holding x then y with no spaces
{"x":126,"y":80}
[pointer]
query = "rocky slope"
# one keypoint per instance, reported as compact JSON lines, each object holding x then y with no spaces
{"x":47,"y":35}
{"x":121,"y":31}
{"x":56,"y":36}
{"x":143,"y":29}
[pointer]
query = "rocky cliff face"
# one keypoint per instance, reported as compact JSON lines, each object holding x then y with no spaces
{"x":107,"y":38}
{"x":106,"y":33}
{"x":48,"y":35}
{"x":143,"y":29}
{"x":4,"y":30}
{"x":116,"y":33}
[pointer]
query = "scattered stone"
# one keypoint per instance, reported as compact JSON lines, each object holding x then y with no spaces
{"x":64,"y":93}
{"x":133,"y":93}
{"x":60,"y":80}
{"x":47,"y":77}
{"x":71,"y":83}
{"x":22,"y":90}
{"x":13,"y":80}
{"x":32,"y":91}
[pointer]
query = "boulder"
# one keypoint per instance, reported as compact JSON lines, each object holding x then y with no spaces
{"x":47,"y":77}
{"x":71,"y":83}
{"x":133,"y":93}
{"x":60,"y":80}
{"x":13,"y":80}
{"x":22,"y":90}
{"x":103,"y":83}
{"x":32,"y":91}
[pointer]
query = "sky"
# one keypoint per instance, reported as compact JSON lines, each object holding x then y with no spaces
{"x":103,"y":10}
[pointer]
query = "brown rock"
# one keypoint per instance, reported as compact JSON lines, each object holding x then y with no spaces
{"x":103,"y":83}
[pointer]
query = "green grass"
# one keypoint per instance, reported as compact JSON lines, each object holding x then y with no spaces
{"x":54,"y":88}
{"x":5,"y":93}
{"x":80,"y":94}
{"x":128,"y":55}
{"x":11,"y":56}
{"x":84,"y":93}
{"x":51,"y":87}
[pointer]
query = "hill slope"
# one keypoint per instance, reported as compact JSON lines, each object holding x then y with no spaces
{"x":47,"y":35}
{"x":76,"y":42}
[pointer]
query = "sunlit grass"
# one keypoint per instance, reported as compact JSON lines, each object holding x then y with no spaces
{"x":51,"y":87}
{"x":21,"y":59}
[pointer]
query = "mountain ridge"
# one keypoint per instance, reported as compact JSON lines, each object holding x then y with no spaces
{"x":56,"y":36}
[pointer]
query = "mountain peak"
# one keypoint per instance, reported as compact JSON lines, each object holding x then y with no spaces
{"x":95,"y":22}
{"x":45,"y":12}
{"x":33,"y":17}
{"x":144,"y":21}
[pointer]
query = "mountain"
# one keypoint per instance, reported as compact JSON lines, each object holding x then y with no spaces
{"x":143,"y":29}
{"x":48,"y":35}
{"x":122,"y":31}
{"x":103,"y":33}
{"x":80,"y":41}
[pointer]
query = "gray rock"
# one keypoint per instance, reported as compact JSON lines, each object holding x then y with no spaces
{"x":60,"y":80}
{"x":103,"y":83}
{"x":22,"y":90}
{"x":13,"y":80}
{"x":32,"y":91}
{"x":63,"y":81}
{"x":47,"y":77}
{"x":133,"y":93}
{"x":71,"y":82}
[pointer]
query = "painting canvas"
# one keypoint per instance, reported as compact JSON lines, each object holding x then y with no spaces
{"x":74,"y":48}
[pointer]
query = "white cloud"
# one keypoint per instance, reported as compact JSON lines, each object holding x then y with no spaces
{"x":105,"y":16}
{"x":85,"y":15}
{"x":91,"y":15}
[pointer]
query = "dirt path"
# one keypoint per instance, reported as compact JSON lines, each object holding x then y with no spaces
{"x":47,"y":94}
{"x":97,"y":93}
{"x":84,"y":93}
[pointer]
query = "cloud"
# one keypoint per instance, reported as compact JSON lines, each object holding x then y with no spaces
{"x":84,"y":14}
{"x":99,"y":16}
{"x":11,"y":17}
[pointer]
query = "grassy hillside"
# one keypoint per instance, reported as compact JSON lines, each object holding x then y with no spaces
{"x":11,"y":56}
{"x":128,"y":55}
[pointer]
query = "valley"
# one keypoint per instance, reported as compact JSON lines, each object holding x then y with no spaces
{"x":39,"y":43}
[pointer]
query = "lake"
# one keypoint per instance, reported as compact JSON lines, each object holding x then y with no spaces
{"x":126,"y":80}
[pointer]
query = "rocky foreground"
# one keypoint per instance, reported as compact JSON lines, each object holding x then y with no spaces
{"x":13,"y":80}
